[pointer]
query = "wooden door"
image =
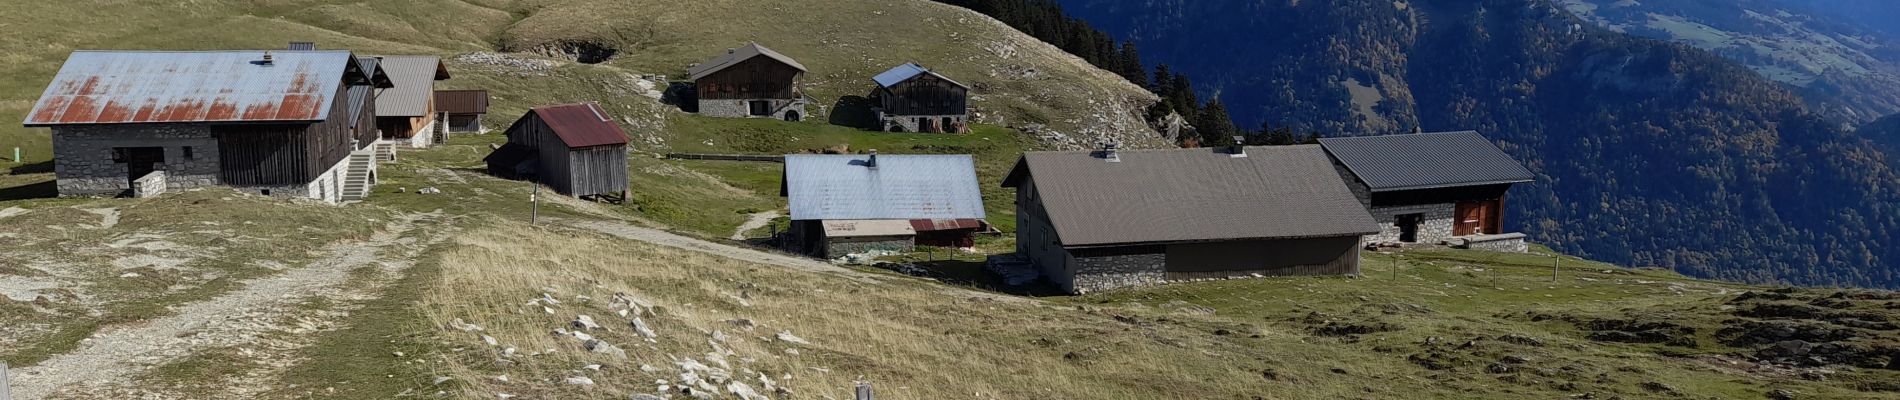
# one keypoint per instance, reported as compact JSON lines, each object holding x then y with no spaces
{"x":1474,"y":218}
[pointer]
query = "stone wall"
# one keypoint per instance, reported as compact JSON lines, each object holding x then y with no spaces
{"x":1504,"y":242}
{"x":152,"y":184}
{"x":741,"y":108}
{"x":1103,"y":272}
{"x":839,"y":247}
{"x":83,"y":156}
{"x":908,"y":123}
{"x":1436,"y":226}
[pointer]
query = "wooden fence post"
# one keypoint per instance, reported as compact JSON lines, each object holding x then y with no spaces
{"x":1553,"y":268}
{"x":5,"y":392}
{"x":864,"y":391}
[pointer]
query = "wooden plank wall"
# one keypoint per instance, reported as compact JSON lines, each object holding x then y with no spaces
{"x":598,"y":170}
{"x":925,"y":95}
{"x":755,"y":78}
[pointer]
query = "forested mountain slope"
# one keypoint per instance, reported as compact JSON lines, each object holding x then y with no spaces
{"x":1648,"y":153}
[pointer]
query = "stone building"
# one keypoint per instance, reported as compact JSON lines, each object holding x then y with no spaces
{"x":845,"y":204}
{"x":1095,"y":220}
{"x":749,"y":82}
{"x":281,"y":123}
{"x":1432,"y":188}
{"x":911,"y":98}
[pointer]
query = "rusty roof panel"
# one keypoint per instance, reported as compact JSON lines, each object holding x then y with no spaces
{"x":114,"y":87}
{"x":580,"y":125}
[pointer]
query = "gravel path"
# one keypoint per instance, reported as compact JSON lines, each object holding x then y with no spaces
{"x":669,"y":239}
{"x":759,"y":220}
{"x":115,"y":355}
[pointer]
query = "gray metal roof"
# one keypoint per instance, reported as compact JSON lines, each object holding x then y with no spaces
{"x":904,"y":72}
{"x":1426,"y":160}
{"x":1192,"y":195}
{"x":415,"y":78}
{"x":734,"y":56}
{"x":827,"y":187}
{"x":111,"y":87}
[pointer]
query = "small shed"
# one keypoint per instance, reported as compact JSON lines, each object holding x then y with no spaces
{"x":1095,"y":220}
{"x":575,"y":149}
{"x":1432,"y":188}
{"x":844,"y":204}
{"x":749,"y":82}
{"x":461,"y":111}
{"x":911,"y":98}
{"x":406,"y":112}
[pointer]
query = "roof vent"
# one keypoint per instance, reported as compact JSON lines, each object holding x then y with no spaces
{"x":871,"y":163}
{"x":730,"y":50}
{"x":267,"y":59}
{"x":303,"y":46}
{"x":1240,"y":147}
{"x":1109,"y":153}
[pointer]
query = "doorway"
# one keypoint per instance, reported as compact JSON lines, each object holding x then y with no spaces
{"x":1408,"y":227}
{"x":792,"y":116}
{"x":139,"y":161}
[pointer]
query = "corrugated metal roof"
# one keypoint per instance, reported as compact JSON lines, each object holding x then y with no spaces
{"x":580,"y":124}
{"x":904,"y":72}
{"x":462,"y":101}
{"x":1186,"y":195}
{"x":303,"y":46}
{"x":826,"y":187}
{"x":373,"y":68}
{"x":926,"y":225}
{"x":106,"y":87}
{"x":1426,"y":160}
{"x":415,"y":78}
{"x":735,"y":56}
{"x":867,"y":227}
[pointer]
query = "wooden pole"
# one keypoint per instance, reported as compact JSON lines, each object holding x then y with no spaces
{"x":1553,"y":267}
{"x":534,"y":213}
{"x":864,"y":391}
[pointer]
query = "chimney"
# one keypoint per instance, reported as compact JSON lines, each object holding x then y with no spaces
{"x":1240,"y":147}
{"x":1108,"y":151}
{"x":872,"y":163}
{"x":267,"y":59}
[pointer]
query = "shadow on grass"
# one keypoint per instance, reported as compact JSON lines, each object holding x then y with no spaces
{"x":42,"y":167}
{"x":36,"y":190}
{"x":972,"y":274}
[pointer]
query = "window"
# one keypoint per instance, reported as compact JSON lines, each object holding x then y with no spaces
{"x":761,"y":107}
{"x":188,"y":155}
{"x":118,"y":154}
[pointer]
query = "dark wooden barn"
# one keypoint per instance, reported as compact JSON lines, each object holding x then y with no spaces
{"x":575,"y":149}
{"x":749,"y":82}
{"x":911,"y":98}
{"x":1431,"y":188}
{"x":278,"y":123}
{"x":1106,"y":219}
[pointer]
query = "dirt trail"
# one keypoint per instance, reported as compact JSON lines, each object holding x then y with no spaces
{"x":759,"y":220}
{"x":664,"y":238}
{"x":111,"y":358}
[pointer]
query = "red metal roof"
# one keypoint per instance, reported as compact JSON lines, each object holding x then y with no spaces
{"x":111,"y":87}
{"x":461,"y":101}
{"x":926,"y":225}
{"x":582,"y":125}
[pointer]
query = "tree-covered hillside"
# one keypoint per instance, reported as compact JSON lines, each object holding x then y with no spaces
{"x":1648,"y":153}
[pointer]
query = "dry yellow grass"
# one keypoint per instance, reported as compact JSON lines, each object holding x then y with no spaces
{"x":914,"y":340}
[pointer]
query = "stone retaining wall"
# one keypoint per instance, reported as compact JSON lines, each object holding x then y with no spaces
{"x":83,"y":156}
{"x":1434,"y":228}
{"x":153,"y":184}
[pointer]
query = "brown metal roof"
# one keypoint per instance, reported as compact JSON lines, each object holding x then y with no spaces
{"x":461,"y":101}
{"x":109,"y":87}
{"x":734,"y":56}
{"x":1192,"y":195}
{"x":580,"y":124}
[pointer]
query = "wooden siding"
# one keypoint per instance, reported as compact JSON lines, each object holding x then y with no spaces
{"x":280,"y":154}
{"x":1281,"y":257}
{"x":575,"y":172}
{"x":925,"y":94}
{"x":756,"y":78}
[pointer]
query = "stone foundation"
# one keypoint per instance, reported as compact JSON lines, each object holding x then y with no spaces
{"x":908,"y":123}
{"x":1434,"y":228}
{"x":1118,"y":271}
{"x":839,"y":247}
{"x":83,"y":158}
{"x":742,"y":108}
{"x":1504,"y":242}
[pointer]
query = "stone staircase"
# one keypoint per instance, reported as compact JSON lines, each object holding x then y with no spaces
{"x":385,"y":150}
{"x":358,"y":175}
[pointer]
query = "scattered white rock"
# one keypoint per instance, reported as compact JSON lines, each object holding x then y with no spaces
{"x":597,"y":346}
{"x":490,"y":340}
{"x":501,"y":378}
{"x":130,"y":275}
{"x":504,"y":396}
{"x":580,"y":380}
{"x":464,"y":326}
{"x":641,"y":327}
{"x":591,"y":367}
{"x":648,"y":368}
{"x":789,"y":337}
{"x":398,"y":353}
{"x":440,"y":379}
{"x":585,"y":322}
{"x":744,"y":392}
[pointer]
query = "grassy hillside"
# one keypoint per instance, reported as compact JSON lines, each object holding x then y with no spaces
{"x":1017,"y":80}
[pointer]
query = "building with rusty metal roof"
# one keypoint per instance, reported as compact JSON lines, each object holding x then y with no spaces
{"x":750,"y":81}
{"x":838,"y":201}
{"x":1432,"y":188}
{"x":1093,"y":220}
{"x":462,"y":110}
{"x":575,"y":149}
{"x":280,"y":123}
